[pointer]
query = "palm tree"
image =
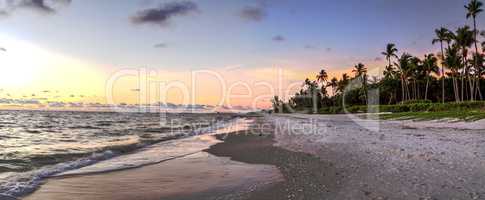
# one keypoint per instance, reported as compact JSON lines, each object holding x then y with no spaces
{"x":360,"y":72}
{"x":415,"y":72}
{"x":442,"y":35}
{"x":403,"y":67}
{"x":342,"y":84}
{"x":474,"y":8}
{"x":322,"y":76}
{"x":478,"y":71}
{"x":389,"y":72}
{"x":277,"y":104}
{"x":429,"y":66}
{"x":464,"y":38}
{"x":390,"y":52}
{"x":453,"y":61}
{"x":333,"y":84}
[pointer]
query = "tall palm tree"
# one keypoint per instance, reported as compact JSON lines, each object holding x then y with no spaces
{"x":333,"y":83}
{"x":442,"y":35}
{"x":389,"y":72}
{"x":453,"y":61}
{"x":342,"y":84}
{"x":360,"y":72}
{"x":390,"y":52}
{"x":478,"y":71}
{"x":415,"y":73}
{"x":322,"y":76}
{"x":474,"y":8}
{"x":403,"y":67}
{"x":429,"y":66}
{"x":464,"y":38}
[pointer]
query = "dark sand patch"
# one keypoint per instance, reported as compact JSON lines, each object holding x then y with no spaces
{"x":306,"y":176}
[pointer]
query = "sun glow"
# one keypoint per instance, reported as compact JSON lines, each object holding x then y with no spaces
{"x":27,"y":69}
{"x":20,"y":63}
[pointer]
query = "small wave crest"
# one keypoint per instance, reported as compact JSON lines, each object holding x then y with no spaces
{"x":17,"y":184}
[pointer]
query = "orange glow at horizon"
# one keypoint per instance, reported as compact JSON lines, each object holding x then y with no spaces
{"x":30,"y":72}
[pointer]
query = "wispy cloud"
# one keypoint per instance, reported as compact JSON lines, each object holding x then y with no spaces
{"x":42,"y":6}
{"x":162,"y":15}
{"x":18,"y":101}
{"x":253,"y":13}
{"x":160,"y":45}
{"x":310,"y":47}
{"x":3,"y":13}
{"x":278,"y":38}
{"x":39,"y":5}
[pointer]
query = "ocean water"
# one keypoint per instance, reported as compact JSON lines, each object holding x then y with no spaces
{"x":35,"y":145}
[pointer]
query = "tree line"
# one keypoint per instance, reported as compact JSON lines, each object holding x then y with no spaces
{"x":455,"y":74}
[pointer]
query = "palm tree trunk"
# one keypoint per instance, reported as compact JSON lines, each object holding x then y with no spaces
{"x":476,"y":50}
{"x":455,"y":89}
{"x":402,"y":90}
{"x":478,"y":89}
{"x":415,"y":90}
{"x":471,"y":81}
{"x":468,"y":83}
{"x":365,"y":86}
{"x":426,"y":91}
{"x":463,"y":79}
{"x":462,"y":88}
{"x":442,"y":75}
{"x":408,"y":90}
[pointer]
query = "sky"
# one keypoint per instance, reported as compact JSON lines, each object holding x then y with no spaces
{"x":211,"y":52}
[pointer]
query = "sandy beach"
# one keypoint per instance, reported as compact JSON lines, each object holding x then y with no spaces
{"x":345,"y":158}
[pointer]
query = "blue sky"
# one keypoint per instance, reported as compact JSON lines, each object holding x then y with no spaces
{"x":311,"y":33}
{"x":216,"y":35}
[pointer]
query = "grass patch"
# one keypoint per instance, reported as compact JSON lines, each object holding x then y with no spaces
{"x":471,"y":115}
{"x":419,"y":110}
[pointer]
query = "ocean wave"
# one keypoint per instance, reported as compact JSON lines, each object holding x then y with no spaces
{"x":113,"y":158}
{"x":18,"y":184}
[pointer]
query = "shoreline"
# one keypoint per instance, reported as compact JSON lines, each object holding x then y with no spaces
{"x":343,"y":160}
{"x":201,"y":173}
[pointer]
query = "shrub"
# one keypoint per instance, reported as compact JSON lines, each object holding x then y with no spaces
{"x":418,"y":106}
{"x":417,"y":101}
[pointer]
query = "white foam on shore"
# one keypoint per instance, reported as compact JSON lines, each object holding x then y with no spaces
{"x":18,"y":184}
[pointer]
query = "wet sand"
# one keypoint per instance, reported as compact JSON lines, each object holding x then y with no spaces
{"x":198,"y":176}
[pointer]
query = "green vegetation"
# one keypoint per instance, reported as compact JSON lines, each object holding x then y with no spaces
{"x":466,"y":116}
{"x":444,"y":84}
